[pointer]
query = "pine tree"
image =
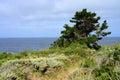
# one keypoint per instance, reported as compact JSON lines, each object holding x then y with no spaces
{"x":87,"y":29}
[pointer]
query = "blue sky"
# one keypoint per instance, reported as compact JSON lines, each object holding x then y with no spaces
{"x":45,"y":18}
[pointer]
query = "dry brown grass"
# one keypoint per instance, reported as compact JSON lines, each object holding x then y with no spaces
{"x":32,"y":77}
{"x":61,"y":74}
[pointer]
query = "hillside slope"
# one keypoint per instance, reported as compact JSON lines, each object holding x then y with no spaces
{"x":76,"y":62}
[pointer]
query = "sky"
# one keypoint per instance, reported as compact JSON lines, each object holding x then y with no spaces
{"x":46,"y":18}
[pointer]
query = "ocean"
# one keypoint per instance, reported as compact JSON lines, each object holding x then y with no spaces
{"x":16,"y":45}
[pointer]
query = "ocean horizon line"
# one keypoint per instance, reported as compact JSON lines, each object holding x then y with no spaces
{"x":52,"y":37}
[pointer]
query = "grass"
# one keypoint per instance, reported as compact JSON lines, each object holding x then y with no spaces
{"x":76,"y":62}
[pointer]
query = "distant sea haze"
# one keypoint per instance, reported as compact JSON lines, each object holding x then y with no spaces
{"x":16,"y":45}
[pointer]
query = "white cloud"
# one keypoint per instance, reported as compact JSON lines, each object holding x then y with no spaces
{"x":34,"y":8}
{"x":53,"y":12}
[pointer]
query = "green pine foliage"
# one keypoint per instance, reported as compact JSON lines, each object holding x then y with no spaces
{"x":87,"y":30}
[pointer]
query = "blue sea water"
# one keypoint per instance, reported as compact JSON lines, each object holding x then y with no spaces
{"x":109,"y":41}
{"x":16,"y":45}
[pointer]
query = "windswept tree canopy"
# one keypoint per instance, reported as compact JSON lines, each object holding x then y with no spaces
{"x":86,"y":30}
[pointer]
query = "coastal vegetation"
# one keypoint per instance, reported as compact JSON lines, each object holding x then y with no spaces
{"x":76,"y":62}
{"x":87,"y":30}
{"x":74,"y":56}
